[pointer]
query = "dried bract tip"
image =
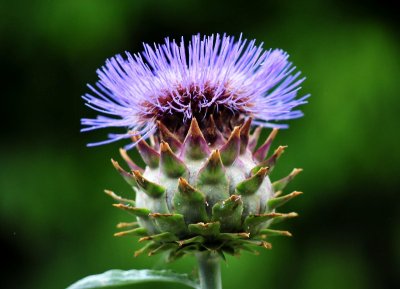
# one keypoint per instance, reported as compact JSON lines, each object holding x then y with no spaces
{"x":195,"y":146}
{"x":273,"y":233}
{"x":244,"y":135}
{"x":150,"y":155}
{"x":262,"y":151}
{"x":127,"y":225}
{"x":139,"y":212}
{"x":254,"y":138}
{"x":118,"y":198}
{"x":231,"y":149}
{"x":127,"y":176}
{"x":213,"y":170}
{"x":284,"y":217}
{"x":252,"y":184}
{"x":170,"y":164}
{"x":282,"y":183}
{"x":271,"y":161}
{"x":133,"y":232}
{"x":169,"y":137}
{"x":151,"y":189}
{"x":129,"y":161}
{"x":279,"y":201}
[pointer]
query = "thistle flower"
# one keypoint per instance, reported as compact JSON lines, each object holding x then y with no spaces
{"x":205,"y":189}
{"x":212,"y":76}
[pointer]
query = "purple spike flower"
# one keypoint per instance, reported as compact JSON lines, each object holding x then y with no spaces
{"x":175,"y":82}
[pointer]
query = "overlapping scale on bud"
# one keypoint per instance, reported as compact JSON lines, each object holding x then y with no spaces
{"x":204,"y":190}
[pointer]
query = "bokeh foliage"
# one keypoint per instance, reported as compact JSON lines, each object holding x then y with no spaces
{"x":57,"y":226}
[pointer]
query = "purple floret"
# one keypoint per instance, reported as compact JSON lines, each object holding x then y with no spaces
{"x":210,"y":73}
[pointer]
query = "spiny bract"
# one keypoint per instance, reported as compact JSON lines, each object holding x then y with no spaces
{"x":205,"y":189}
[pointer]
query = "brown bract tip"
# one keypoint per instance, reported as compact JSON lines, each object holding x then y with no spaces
{"x":204,"y":225}
{"x":211,"y":128}
{"x":244,"y":135}
{"x":263,"y":150}
{"x":292,"y":215}
{"x":273,"y":133}
{"x":116,"y":165}
{"x":262,"y":171}
{"x":215,"y":157}
{"x":244,"y":235}
{"x":254,"y":138}
{"x":164,"y":147}
{"x":235,"y":133}
{"x":287,"y":233}
{"x":126,"y":225}
{"x":135,"y":138}
{"x":110,"y":193}
{"x":194,"y":129}
{"x":168,"y":136}
{"x":195,"y":145}
{"x":144,"y":239}
{"x":296,"y":193}
{"x":231,"y":149}
{"x":157,"y":215}
{"x":245,"y":129}
{"x":118,"y":205}
{"x":266,"y":245}
{"x":296,"y":171}
{"x":271,"y":215}
{"x":182,"y":182}
{"x":138,"y":175}
{"x":235,"y":198}
{"x":128,"y":160}
{"x":280,"y":150}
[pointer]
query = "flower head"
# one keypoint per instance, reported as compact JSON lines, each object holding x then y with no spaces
{"x":211,"y":76}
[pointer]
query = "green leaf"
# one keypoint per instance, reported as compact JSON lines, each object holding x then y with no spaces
{"x":116,"y":278}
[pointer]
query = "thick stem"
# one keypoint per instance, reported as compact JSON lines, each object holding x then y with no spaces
{"x":209,"y":270}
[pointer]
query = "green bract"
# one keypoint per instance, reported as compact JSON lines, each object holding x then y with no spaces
{"x":196,"y":195}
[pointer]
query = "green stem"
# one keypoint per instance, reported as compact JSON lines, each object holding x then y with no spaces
{"x":209,"y":270}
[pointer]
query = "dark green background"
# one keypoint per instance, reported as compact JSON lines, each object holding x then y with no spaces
{"x":57,"y":225}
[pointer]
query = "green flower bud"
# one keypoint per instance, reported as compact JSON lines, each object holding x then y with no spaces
{"x":204,"y":189}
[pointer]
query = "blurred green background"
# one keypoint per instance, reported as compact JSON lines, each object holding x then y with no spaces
{"x":57,"y":225}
